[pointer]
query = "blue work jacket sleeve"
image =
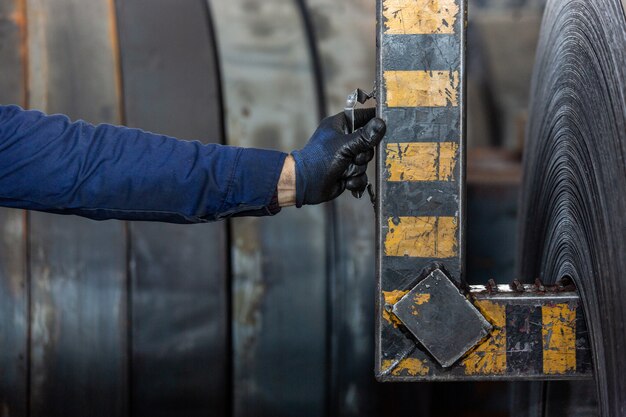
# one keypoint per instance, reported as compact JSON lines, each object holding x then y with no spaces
{"x":48,"y":163}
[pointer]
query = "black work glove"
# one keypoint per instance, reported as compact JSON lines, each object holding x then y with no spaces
{"x":334,"y":160}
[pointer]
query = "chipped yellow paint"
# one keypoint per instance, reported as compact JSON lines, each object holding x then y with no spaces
{"x":410,"y":366}
{"x":392,"y":297}
{"x":420,"y":298}
{"x":447,"y":160}
{"x":423,"y":161}
{"x":404,"y":17}
{"x":422,"y":88}
{"x":422,"y":237}
{"x":489,"y":357}
{"x":559,"y":338}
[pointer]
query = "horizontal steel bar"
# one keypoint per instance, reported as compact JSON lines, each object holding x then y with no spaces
{"x":538,"y":333}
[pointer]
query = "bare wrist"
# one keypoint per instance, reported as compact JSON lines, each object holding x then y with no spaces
{"x":287,"y":183}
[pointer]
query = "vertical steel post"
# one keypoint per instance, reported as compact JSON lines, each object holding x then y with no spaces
{"x":421,"y":163}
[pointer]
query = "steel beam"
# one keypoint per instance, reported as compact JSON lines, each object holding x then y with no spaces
{"x":531,"y":332}
{"x":430,"y":324}
{"x":421,"y":166}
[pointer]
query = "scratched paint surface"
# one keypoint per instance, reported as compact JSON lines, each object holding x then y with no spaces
{"x":420,"y":167}
{"x":408,"y":366}
{"x":490,"y":356}
{"x":422,"y":88}
{"x":422,"y":161}
{"x":404,"y":17}
{"x":422,"y":237}
{"x":559,"y":338}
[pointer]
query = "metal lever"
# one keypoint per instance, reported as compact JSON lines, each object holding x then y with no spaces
{"x":358,"y":96}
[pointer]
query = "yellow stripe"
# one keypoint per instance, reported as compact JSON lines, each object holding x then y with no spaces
{"x":429,"y":161}
{"x":405,"y":17}
{"x":559,"y":339}
{"x":490,"y":356}
{"x":422,"y":237}
{"x":421,"y":88}
{"x":410,"y":366}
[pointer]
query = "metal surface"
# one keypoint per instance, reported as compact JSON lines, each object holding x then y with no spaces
{"x":13,"y":227}
{"x":14,"y":313}
{"x":179,"y":275}
{"x":420,"y":182}
{"x":78,"y":267}
{"x":574,"y":180}
{"x":537,"y":332}
{"x":441,"y":318}
{"x":269,"y":91}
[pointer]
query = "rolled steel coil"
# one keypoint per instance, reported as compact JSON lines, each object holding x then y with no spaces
{"x":573,"y":205}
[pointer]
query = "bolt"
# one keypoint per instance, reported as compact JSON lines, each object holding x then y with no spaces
{"x":517,"y":286}
{"x":492,"y":286}
{"x":539,"y":285}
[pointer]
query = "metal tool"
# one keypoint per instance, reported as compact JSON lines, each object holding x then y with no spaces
{"x":358,"y":96}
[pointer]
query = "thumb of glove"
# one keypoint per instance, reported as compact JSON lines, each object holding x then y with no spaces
{"x":364,"y":139}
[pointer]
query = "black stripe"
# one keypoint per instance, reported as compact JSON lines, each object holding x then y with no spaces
{"x":583,"y":350}
{"x":524,"y":347}
{"x":403,"y":272}
{"x":439,"y":198}
{"x":423,"y":124}
{"x":421,"y":52}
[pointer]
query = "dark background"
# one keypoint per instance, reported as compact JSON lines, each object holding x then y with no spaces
{"x":251,"y":317}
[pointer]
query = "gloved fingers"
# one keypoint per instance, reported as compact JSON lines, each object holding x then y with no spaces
{"x":354,"y":170}
{"x":364,"y":158}
{"x":365,"y":139}
{"x":358,"y":184}
{"x":363,"y":116}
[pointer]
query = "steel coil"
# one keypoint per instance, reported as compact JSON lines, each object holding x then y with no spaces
{"x":574,"y":193}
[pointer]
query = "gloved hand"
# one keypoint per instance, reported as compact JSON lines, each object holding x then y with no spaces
{"x":334,"y":160}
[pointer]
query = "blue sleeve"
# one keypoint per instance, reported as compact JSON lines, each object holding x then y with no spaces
{"x":48,"y":163}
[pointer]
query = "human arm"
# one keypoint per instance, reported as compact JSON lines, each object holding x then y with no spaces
{"x":50,"y":164}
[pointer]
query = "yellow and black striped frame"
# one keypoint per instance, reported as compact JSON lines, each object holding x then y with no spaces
{"x":421,"y":212}
{"x":421,"y":163}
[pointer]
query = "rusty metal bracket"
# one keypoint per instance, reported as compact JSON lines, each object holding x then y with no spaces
{"x":488,"y":332}
{"x":441,"y":318}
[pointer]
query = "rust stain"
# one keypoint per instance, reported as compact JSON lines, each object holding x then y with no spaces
{"x":422,"y":88}
{"x":422,"y":237}
{"x":117,"y":61}
{"x":489,"y":357}
{"x":391,"y":298}
{"x":19,"y":19}
{"x":410,"y":366}
{"x":422,"y":161}
{"x":404,"y":17}
{"x":559,"y":338}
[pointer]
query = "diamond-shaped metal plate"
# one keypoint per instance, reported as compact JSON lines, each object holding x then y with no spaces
{"x":441,"y":318}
